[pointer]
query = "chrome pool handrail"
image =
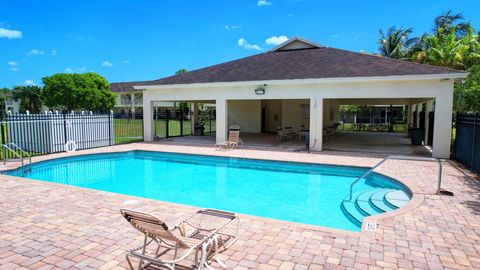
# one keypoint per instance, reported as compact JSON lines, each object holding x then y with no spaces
{"x":13,"y":148}
{"x":440,"y":168}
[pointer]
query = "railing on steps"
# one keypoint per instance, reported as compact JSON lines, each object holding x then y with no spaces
{"x":401,"y":158}
{"x":14,"y":149}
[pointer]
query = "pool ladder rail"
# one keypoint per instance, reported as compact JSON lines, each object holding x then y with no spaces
{"x":16,"y":151}
{"x":439,"y":190}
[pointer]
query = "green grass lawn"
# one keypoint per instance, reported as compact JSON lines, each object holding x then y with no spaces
{"x":131,"y":130}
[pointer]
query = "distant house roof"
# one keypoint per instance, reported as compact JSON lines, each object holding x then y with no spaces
{"x":298,"y":58}
{"x":125,"y":87}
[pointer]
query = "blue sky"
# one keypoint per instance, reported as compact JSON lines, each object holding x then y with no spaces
{"x":127,"y":40}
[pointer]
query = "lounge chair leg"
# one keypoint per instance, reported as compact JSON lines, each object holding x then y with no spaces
{"x":129,"y":262}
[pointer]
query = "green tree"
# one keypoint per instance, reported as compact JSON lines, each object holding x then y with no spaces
{"x":85,"y":91}
{"x":29,"y":96}
{"x":449,"y":22}
{"x":181,"y":71}
{"x":446,"y":51}
{"x":396,"y":43}
{"x":4,"y":94}
{"x":467,"y":92}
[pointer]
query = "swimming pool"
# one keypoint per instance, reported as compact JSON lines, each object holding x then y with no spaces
{"x":298,"y":192}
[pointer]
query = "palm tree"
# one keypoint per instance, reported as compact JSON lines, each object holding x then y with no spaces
{"x":448,"y":22}
{"x":396,"y":43}
{"x":29,"y":96}
{"x":180,"y":71}
{"x":447,"y":51}
{"x":471,"y":55}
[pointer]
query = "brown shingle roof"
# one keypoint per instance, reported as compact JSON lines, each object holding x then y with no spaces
{"x":315,"y":63}
{"x":125,"y":87}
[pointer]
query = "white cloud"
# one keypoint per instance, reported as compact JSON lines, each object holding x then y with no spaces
{"x":10,"y":34}
{"x":126,"y":62}
{"x":247,"y":46}
{"x":75,"y":70}
{"x":232,"y":27}
{"x":35,"y":52}
{"x":13,"y":65}
{"x":274,"y":40}
{"x":29,"y":82}
{"x":53,"y":52}
{"x":106,"y":64}
{"x":261,"y":3}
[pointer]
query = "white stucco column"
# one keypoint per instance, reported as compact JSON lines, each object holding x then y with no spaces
{"x":222,"y":120}
{"x":409,"y":114}
{"x":148,"y":124}
{"x":428,"y":109}
{"x":418,"y":110}
{"x":442,"y":127}
{"x":132,"y":103}
{"x":193,"y":116}
{"x":316,"y":124}
{"x":336,"y":111}
{"x":194,"y":108}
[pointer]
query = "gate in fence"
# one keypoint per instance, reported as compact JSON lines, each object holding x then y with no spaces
{"x":178,"y":123}
{"x":467,"y":140}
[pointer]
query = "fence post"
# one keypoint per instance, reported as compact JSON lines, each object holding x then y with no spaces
{"x":110,"y":123}
{"x":3,"y":120}
{"x":453,"y":146}
{"x":181,"y":122}
{"x":475,"y":121}
{"x":65,"y":126}
{"x":167,"y":116}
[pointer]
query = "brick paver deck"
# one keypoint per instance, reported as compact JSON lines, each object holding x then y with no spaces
{"x":51,"y":226}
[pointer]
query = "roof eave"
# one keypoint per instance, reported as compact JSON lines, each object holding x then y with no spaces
{"x":429,"y":77}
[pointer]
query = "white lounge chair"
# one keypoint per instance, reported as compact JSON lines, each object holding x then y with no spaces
{"x":165,"y":247}
{"x":233,"y":139}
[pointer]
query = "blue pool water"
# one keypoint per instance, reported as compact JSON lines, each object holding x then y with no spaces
{"x":297,"y":192}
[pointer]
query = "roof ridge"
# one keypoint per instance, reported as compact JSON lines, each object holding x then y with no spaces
{"x":397,"y":60}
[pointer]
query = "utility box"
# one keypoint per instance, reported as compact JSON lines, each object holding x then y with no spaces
{"x":417,"y":136}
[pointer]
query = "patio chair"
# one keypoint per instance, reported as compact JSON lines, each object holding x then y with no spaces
{"x":285,"y":134}
{"x":166,"y":247}
{"x":233,"y":139}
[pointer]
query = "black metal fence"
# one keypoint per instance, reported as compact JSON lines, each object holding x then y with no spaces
{"x":177,"y":123}
{"x":467,"y":140}
{"x":47,"y":133}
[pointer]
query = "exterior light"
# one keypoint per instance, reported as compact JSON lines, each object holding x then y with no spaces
{"x":260,"y":90}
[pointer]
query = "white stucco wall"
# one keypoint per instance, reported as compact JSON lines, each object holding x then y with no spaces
{"x":273,"y":114}
{"x":316,"y":92}
{"x":291,"y":114}
{"x":246,"y":114}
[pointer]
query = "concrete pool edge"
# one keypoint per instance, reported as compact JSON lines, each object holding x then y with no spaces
{"x":416,"y":200}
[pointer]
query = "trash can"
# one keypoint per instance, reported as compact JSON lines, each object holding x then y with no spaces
{"x":199,"y":130}
{"x":417,"y":136}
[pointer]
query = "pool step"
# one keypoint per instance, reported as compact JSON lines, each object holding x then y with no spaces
{"x":397,"y":198}
{"x":371,"y":202}
{"x":378,"y":201}
{"x":363,"y":202}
